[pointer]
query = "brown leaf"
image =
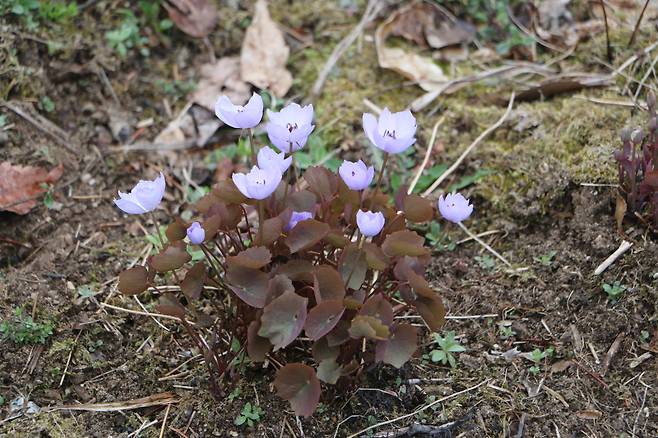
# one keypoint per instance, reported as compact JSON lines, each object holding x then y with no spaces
{"x":375,"y":257}
{"x":352,"y":266}
{"x":428,"y":303}
{"x":283,"y":319}
{"x":328,"y":284}
{"x":177,"y":230}
{"x":169,"y":305}
{"x":192,"y":284}
{"x":321,"y":182}
{"x":272,"y":229}
{"x":298,"y":384}
{"x":265,"y":53}
{"x":171,"y":258}
{"x":322,"y":351}
{"x":250,"y":285}
{"x":133,"y":281}
{"x":564,"y":83}
{"x":399,"y":348}
{"x":255,"y":257}
{"x":306,"y":234}
{"x":196,"y":18}
{"x":298,"y":270}
{"x":378,"y":307}
{"x":323,"y":318}
{"x":404,"y":243}
{"x":368,"y":327}
{"x":21,"y":185}
{"x":221,"y":77}
{"x":620,"y":212}
{"x":418,"y":209}
{"x":257,"y":346}
{"x":589,"y":414}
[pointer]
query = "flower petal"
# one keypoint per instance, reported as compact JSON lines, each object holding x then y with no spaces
{"x":240,"y":181}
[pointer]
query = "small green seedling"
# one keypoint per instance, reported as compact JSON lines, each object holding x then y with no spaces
{"x":506,"y":331}
{"x":614,"y":290}
{"x":447,"y":346}
{"x":437,"y":239}
{"x":644,"y":336}
{"x":486,"y":261}
{"x":22,"y":329}
{"x":537,"y":356}
{"x":546,"y":259}
{"x":234,"y":394}
{"x":249,"y":415}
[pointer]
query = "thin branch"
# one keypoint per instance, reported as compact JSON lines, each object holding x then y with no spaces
{"x":468,"y":150}
{"x":484,"y":244}
{"x":637,"y":24}
{"x":428,"y":154}
{"x":607,"y":33}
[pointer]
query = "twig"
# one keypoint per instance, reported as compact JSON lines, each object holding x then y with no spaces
{"x":428,"y":154}
{"x":371,"y":12}
{"x":484,"y":244}
{"x":614,"y":348}
{"x":164,"y":420}
{"x":43,"y":124}
{"x":68,"y":361}
{"x":153,"y":400}
{"x":427,"y":406}
{"x":468,"y":150}
{"x":607,"y":34}
{"x":633,"y":58}
{"x":625,"y":246}
{"x":644,"y":398}
{"x":637,"y":24}
{"x":645,"y":77}
{"x":137,"y":312}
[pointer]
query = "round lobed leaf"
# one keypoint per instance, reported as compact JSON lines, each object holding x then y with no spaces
{"x":255,"y":258}
{"x":169,"y":305}
{"x":375,"y":257}
{"x":353,"y":266}
{"x":283,"y":319}
{"x":272,"y":229}
{"x":177,"y":230}
{"x":306,"y":234}
{"x":250,"y":285}
{"x":192,"y":284}
{"x":328,"y":284}
{"x":298,"y":384}
{"x":323,"y":318}
{"x":302,"y":200}
{"x":369,"y":327}
{"x":171,"y":258}
{"x":329,"y":371}
{"x":404,"y":243}
{"x":257,"y":346}
{"x":399,"y":348}
{"x":418,"y":209}
{"x":133,"y":281}
{"x":428,"y":303}
{"x":298,"y":270}
{"x":378,"y":307}
{"x":321,"y":182}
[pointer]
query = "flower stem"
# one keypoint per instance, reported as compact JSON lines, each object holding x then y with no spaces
{"x":157,"y":227}
{"x":253,"y":147}
{"x":486,"y":246}
{"x":285,"y":194}
{"x":362,"y":238}
{"x":381,"y":172}
{"x":261,"y":220}
{"x":246,"y":219}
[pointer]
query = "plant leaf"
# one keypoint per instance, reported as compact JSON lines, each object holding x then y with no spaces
{"x":428,"y":303}
{"x":133,"y":281}
{"x":321,"y":182}
{"x":353,"y":266}
{"x":368,"y":327}
{"x":250,"y":285}
{"x":283,"y":319}
{"x":192,"y":284}
{"x":404,"y":243}
{"x":418,"y":209}
{"x":328,"y":284}
{"x":171,"y":258}
{"x":306,"y":234}
{"x":257,"y":346}
{"x":399,"y":348}
{"x":323,"y":318}
{"x":329,"y":371}
{"x":298,"y":384}
{"x":255,"y":258}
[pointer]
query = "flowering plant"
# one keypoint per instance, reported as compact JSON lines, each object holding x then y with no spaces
{"x":638,"y":168}
{"x":322,"y":261}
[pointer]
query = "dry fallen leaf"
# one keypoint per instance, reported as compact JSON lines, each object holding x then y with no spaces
{"x":221,"y":77}
{"x":589,"y":414}
{"x":194,"y":17}
{"x":265,"y":53}
{"x":564,"y":83}
{"x":420,"y":69}
{"x":21,"y":185}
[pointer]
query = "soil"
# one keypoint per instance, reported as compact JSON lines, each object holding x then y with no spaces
{"x":590,"y":383}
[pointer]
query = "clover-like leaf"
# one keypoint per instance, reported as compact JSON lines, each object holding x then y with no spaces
{"x":323,"y":318}
{"x":399,"y":348}
{"x":255,"y":258}
{"x":328,"y":284}
{"x":257,"y":346}
{"x":428,"y":303}
{"x":283,"y":319}
{"x":192,"y":284}
{"x":352,"y":266}
{"x":171,"y":258}
{"x":133,"y":281}
{"x":177,"y":230}
{"x":306,"y":234}
{"x":404,"y":243}
{"x":329,"y":371}
{"x":298,"y":384}
{"x":375,"y":257}
{"x":321,"y":182}
{"x":250,"y":285}
{"x":369,"y":327}
{"x":418,"y":209}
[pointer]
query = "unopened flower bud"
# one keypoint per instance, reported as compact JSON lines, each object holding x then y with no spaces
{"x":625,"y":134}
{"x":637,"y":136}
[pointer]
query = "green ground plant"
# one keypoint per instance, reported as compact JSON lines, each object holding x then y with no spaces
{"x":22,"y":329}
{"x":448,"y":347}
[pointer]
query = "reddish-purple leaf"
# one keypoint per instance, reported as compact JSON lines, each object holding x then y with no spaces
{"x":339,"y":335}
{"x":255,"y":258}
{"x":375,"y":257}
{"x":192,"y":284}
{"x":378,"y":307}
{"x":302,"y":200}
{"x":329,"y":371}
{"x":399,"y":348}
{"x":336,"y":238}
{"x":133,"y":281}
{"x":306,"y":234}
{"x":257,"y":346}
{"x":298,"y":384}
{"x":323,"y":318}
{"x":428,"y":303}
{"x":211,"y":226}
{"x":177,"y":230}
{"x":321,"y":182}
{"x":322,"y":351}
{"x":272,"y":229}
{"x":226,"y":190}
{"x":328,"y":284}
{"x":278,"y":285}
{"x":404,"y":243}
{"x":369,"y":327}
{"x":171,"y":258}
{"x":169,"y":305}
{"x":418,"y":209}
{"x":353,"y":266}
{"x":283,"y":319}
{"x":250,"y":285}
{"x":298,"y":270}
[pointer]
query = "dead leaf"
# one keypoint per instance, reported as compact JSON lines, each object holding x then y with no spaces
{"x":589,"y":414}
{"x":196,"y":18}
{"x":565,"y":83}
{"x":620,"y":212}
{"x":265,"y":53}
{"x":560,"y":366}
{"x":21,"y":185}
{"x":420,"y":69}
{"x":221,"y":77}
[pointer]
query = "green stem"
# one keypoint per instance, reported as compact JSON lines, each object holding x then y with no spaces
{"x":157,"y":227}
{"x":381,"y":172}
{"x":253,"y":147}
{"x":261,"y":220}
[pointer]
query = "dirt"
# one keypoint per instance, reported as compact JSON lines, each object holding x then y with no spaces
{"x":534,"y":200}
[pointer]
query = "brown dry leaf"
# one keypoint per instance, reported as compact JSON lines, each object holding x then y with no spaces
{"x":620,"y":211}
{"x":420,"y":69}
{"x":589,"y":414}
{"x":221,"y":77}
{"x":265,"y":53}
{"x":565,"y":83}
{"x":21,"y":185}
{"x":196,"y":18}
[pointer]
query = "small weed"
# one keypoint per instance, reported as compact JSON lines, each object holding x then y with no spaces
{"x":234,"y":394}
{"x":486,"y":261}
{"x":447,"y":346}
{"x":22,"y":329}
{"x":439,"y":240}
{"x":47,"y":104}
{"x":506,"y":332}
{"x":250,"y":414}
{"x":127,"y":36}
{"x":644,"y":336}
{"x":151,"y":13}
{"x":614,"y":290}
{"x":546,"y":259}
{"x":58,"y":11}
{"x":537,"y":356}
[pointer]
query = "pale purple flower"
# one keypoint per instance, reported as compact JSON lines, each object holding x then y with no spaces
{"x":357,"y":176}
{"x":143,"y":198}
{"x":393,"y":132}
{"x":370,"y":223}
{"x":455,"y":208}
{"x":196,"y":233}
{"x":269,"y":157}
{"x":289,"y":129}
{"x":296,"y":217}
{"x":258,"y":183}
{"x":238,"y":116}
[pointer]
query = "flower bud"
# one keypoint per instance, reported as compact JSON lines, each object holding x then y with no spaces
{"x":196,"y":233}
{"x":637,"y":136}
{"x":625,"y":134}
